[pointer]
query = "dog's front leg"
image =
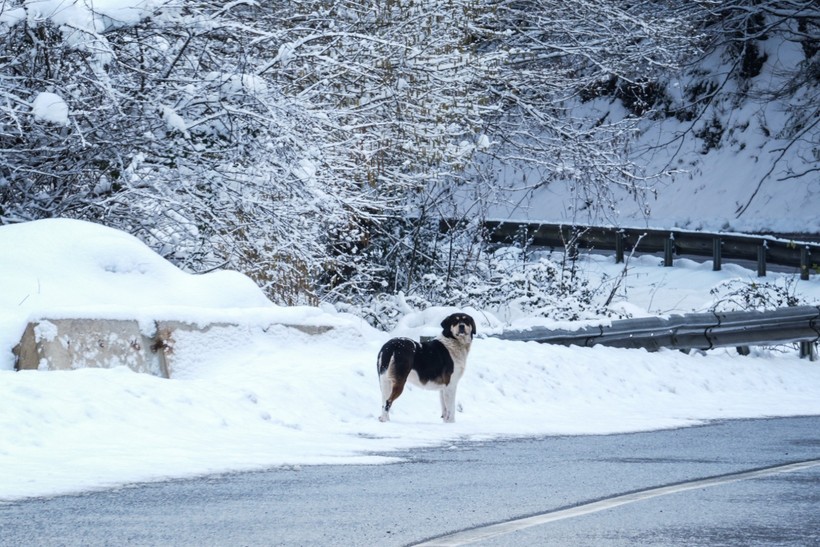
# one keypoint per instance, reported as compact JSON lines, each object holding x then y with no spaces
{"x":443,"y":405}
{"x":448,"y":404}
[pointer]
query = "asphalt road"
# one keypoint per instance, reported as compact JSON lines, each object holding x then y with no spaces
{"x":466,"y":486}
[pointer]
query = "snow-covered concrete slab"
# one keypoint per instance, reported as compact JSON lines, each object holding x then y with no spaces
{"x":68,"y":344}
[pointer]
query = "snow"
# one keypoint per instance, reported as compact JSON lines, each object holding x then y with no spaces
{"x":260,"y":394}
{"x":50,"y":107}
{"x":97,"y":17}
{"x":717,"y":184}
{"x":82,"y":23}
{"x":173,"y":121}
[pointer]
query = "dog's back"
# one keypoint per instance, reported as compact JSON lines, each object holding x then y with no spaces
{"x":430,"y":360}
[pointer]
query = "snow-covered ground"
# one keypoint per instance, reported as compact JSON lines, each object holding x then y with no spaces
{"x":262,"y":395}
{"x":756,"y":178}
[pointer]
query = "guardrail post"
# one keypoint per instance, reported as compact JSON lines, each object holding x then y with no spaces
{"x":808,"y":349}
{"x":804,"y":263}
{"x":522,"y":236}
{"x":571,"y":242}
{"x":716,"y":254}
{"x":668,"y":249}
{"x":761,"y":259}
{"x":619,"y":247}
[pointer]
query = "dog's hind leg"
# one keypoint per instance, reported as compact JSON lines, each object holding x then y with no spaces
{"x":391,"y":382}
{"x":386,"y":383}
{"x":384,"y":366}
{"x":394,"y":365}
{"x":391,"y":389}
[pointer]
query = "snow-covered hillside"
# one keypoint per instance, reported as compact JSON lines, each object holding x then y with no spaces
{"x":745,"y":162}
{"x":261,"y":395}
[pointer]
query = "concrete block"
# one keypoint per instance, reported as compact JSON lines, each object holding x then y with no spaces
{"x":67,"y":344}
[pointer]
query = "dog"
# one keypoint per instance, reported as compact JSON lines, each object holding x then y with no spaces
{"x":436,"y":364}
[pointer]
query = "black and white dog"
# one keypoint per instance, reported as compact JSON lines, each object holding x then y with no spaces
{"x":437,"y":364}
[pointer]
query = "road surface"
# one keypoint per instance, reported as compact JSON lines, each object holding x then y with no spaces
{"x":467,"y":486}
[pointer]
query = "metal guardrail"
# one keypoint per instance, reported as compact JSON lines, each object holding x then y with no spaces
{"x":692,"y":331}
{"x":762,"y":249}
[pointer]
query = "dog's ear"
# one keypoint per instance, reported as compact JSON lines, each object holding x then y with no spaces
{"x":445,"y":326}
{"x":472,"y":324}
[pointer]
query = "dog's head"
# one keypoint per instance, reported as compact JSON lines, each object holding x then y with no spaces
{"x":459,"y":326}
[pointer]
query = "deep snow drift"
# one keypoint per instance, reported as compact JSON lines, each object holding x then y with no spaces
{"x":262,"y":395}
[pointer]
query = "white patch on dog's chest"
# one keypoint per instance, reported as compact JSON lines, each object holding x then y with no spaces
{"x":458,"y":353}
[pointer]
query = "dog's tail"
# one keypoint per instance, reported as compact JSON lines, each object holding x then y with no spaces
{"x":400,"y":349}
{"x":383,"y":360}
{"x":387,"y":353}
